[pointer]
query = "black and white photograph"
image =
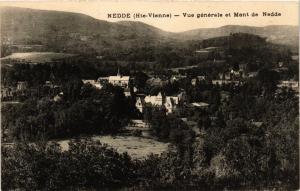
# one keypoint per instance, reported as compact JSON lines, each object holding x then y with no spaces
{"x":149,"y":95}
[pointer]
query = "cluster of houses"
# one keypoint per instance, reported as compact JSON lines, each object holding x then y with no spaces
{"x":170,"y":103}
{"x":118,"y":80}
{"x":22,"y":89}
{"x":292,"y":84}
{"x":9,"y":93}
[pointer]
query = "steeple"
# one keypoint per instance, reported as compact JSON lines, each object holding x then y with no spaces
{"x":118,"y":71}
{"x":52,"y":76}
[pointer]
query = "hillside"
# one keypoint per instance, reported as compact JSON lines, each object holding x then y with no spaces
{"x":72,"y":32}
{"x":278,"y":34}
{"x":248,"y":48}
{"x":67,"y":32}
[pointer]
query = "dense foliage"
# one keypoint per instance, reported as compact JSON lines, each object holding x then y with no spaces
{"x":248,"y":134}
{"x":81,"y":110}
{"x":87,"y":164}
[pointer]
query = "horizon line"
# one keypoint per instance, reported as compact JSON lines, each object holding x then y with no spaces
{"x":137,"y":21}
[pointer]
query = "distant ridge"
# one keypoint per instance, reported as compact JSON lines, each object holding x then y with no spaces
{"x":280,"y":34}
{"x":76,"y":33}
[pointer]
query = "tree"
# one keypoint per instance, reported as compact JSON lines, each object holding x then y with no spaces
{"x":71,"y":89}
{"x":245,"y":155}
{"x":86,"y":164}
{"x":141,"y":79}
{"x":204,"y":122}
{"x":269,"y":80}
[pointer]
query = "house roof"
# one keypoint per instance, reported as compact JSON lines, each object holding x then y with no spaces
{"x":295,"y":57}
{"x":200,"y":104}
{"x":257,"y":123}
{"x":102,"y":78}
{"x":211,"y":48}
{"x":118,"y":78}
{"x":202,"y":51}
{"x":88,"y":81}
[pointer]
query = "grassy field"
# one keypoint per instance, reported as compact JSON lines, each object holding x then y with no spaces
{"x":136,"y":147}
{"x":37,"y":57}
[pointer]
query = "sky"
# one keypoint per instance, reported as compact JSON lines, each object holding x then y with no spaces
{"x":101,"y":9}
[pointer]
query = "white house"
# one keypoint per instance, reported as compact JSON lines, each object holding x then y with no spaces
{"x":294,"y":85}
{"x":139,"y":104}
{"x":94,"y":83}
{"x":119,"y":80}
{"x":177,"y":78}
{"x":169,"y":102}
{"x":199,"y":78}
{"x":22,"y":85}
{"x":6,"y":92}
{"x":155,"y":100}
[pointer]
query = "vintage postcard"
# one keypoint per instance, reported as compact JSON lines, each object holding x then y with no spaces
{"x":149,"y":95}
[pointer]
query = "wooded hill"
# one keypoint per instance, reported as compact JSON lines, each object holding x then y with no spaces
{"x":78,"y":33}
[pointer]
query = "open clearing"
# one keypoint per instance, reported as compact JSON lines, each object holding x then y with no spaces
{"x":136,"y":147}
{"x":37,"y":57}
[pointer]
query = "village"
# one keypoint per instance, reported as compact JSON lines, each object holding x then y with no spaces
{"x":158,"y":95}
{"x":164,"y":93}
